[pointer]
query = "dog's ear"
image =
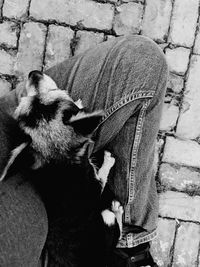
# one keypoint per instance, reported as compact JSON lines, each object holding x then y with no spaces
{"x":13,"y":155}
{"x":85,"y":123}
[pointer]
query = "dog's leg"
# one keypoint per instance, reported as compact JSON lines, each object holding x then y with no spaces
{"x":110,"y":216}
{"x":102,"y":174}
{"x":117,"y":209}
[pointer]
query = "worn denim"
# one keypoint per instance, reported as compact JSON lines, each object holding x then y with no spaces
{"x":126,"y":77}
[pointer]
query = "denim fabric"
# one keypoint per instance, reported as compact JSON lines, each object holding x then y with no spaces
{"x":126,"y":77}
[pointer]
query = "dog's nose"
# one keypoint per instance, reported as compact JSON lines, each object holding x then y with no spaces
{"x":34,"y":77}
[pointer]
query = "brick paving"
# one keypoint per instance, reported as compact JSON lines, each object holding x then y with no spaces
{"x":37,"y":34}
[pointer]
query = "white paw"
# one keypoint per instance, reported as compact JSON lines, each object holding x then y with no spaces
{"x":103,"y":172}
{"x":117,"y":208}
{"x":108,"y":217}
{"x":118,"y":211}
{"x":108,"y":159}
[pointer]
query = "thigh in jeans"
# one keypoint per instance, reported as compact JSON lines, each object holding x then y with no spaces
{"x":125,"y":77}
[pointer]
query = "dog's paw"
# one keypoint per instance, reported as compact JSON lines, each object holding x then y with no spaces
{"x":117,"y":209}
{"x":108,"y":217}
{"x":103,"y":172}
{"x":109,"y":160}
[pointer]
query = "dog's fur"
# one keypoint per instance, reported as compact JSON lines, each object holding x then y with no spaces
{"x":11,"y":137}
{"x":84,"y":217}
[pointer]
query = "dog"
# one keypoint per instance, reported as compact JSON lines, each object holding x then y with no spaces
{"x":85,"y":218}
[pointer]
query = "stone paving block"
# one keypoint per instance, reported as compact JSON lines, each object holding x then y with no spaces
{"x":5,"y":87}
{"x":87,"y":40}
{"x":8,"y":33}
{"x":169,"y":117}
{"x":58,"y":45}
{"x":129,"y":18}
{"x":137,"y":1}
{"x":183,"y":152}
{"x":31,"y":48}
{"x":162,"y":46}
{"x":178,"y":59}
{"x":183,"y":22}
{"x":157,"y":19}
{"x":179,"y":178}
{"x":186,"y":245}
{"x":110,"y":37}
{"x":162,"y":245}
{"x":179,"y":206}
{"x":15,"y":8}
{"x":7,"y":62}
{"x":175,"y":83}
{"x":84,"y":12}
{"x":189,"y":122}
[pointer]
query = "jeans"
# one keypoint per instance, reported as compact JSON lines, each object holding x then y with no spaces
{"x":126,"y":77}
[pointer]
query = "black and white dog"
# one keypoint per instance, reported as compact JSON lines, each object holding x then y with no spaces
{"x":84,"y":216}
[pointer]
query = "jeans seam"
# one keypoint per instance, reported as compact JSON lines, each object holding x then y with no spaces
{"x":119,"y":104}
{"x":129,"y":241}
{"x":124,"y":101}
{"x":137,"y":139}
{"x":136,"y":143}
{"x":134,"y":152}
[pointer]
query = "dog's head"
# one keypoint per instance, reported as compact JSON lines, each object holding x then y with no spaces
{"x":58,"y":127}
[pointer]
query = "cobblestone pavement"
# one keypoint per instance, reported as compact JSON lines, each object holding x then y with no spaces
{"x":36,"y":34}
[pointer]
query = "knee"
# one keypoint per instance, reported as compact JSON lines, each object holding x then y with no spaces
{"x":144,"y":60}
{"x":143,"y":48}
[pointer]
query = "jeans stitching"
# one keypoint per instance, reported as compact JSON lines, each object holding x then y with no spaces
{"x":136,"y":143}
{"x":129,"y":241}
{"x":125,"y":100}
{"x":122,"y":102}
{"x":131,"y":181}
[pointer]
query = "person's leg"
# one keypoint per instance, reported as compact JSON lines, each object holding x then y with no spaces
{"x":23,"y":219}
{"x":126,"y":77}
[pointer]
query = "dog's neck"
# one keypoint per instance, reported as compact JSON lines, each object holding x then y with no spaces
{"x":60,"y":185}
{"x":68,"y":171}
